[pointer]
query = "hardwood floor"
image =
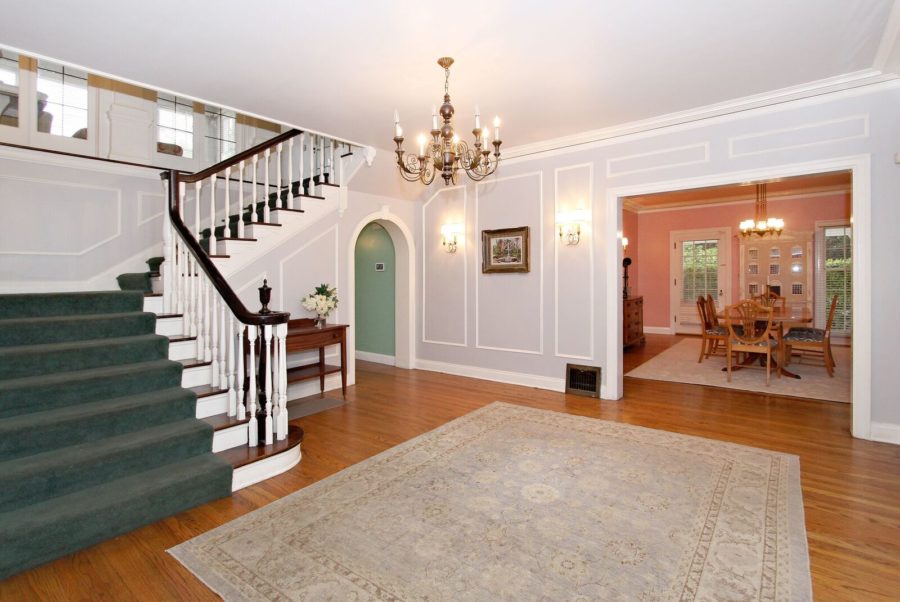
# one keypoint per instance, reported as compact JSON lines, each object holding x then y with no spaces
{"x":851,"y":488}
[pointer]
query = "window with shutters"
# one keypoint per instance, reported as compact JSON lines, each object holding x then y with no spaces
{"x":796,"y":289}
{"x":175,"y":129}
{"x":836,"y":277}
{"x":62,"y":100}
{"x":221,"y":134}
{"x":700,"y":269}
{"x":753,"y":268}
{"x":9,"y":88}
{"x":774,"y":269}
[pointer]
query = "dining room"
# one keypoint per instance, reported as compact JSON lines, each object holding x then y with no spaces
{"x":745,"y":286}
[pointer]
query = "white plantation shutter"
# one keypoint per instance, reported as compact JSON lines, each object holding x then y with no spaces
{"x":834,"y":276}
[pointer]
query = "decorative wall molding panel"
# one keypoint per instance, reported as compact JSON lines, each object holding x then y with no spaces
{"x":574,"y":276}
{"x":73,"y":219}
{"x":321,"y":266}
{"x":808,"y":134}
{"x":150,"y":206}
{"x":511,"y":324}
{"x":666,"y":158}
{"x":447,"y":289}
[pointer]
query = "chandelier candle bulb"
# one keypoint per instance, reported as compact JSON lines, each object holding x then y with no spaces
{"x":421,"y":145}
{"x":477,"y":118}
{"x":497,"y":129}
{"x":397,"y":131}
{"x":434,"y":119}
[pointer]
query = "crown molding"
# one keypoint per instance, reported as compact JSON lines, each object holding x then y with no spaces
{"x":867,"y":81}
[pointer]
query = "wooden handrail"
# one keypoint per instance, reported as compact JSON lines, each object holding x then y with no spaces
{"x":230,"y":161}
{"x":218,"y":281}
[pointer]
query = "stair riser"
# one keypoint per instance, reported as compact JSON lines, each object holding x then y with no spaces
{"x":153,"y":304}
{"x":234,"y":247}
{"x":82,"y":429}
{"x":23,"y":487}
{"x":212,"y":405}
{"x":182,"y":350}
{"x":48,"y":396}
{"x":34,"y":362}
{"x":170,"y":326}
{"x":195,"y":377}
{"x":231,"y":437}
{"x":35,"y":332}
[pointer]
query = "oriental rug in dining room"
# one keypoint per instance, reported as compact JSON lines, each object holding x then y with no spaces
{"x":515,"y":503}
{"x":679,"y":364}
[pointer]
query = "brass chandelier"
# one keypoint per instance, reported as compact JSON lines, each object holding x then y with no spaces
{"x":762,"y":224}
{"x":446,"y":153}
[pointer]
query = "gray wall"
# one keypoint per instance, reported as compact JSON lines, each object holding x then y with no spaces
{"x":532,"y":324}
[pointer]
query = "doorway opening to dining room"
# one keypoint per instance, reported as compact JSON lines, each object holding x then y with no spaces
{"x":684,"y":243}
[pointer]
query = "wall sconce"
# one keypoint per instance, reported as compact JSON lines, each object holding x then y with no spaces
{"x":570,"y":225}
{"x":624,"y":243}
{"x":450,"y":236}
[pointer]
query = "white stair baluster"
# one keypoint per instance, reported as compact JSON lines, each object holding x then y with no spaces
{"x":206,"y":315}
{"x":223,"y":345}
{"x":252,"y":428}
{"x":168,"y":253}
{"x":290,"y":174}
{"x":278,"y":201}
{"x":181,"y":199}
{"x":281,"y":334}
{"x":267,"y":343}
{"x":321,"y":159}
{"x":197,"y":189}
{"x":195,"y":294}
{"x":273,"y":375}
{"x":240,"y":224}
{"x":212,"y":215}
{"x":241,"y":358}
{"x":301,"y":165}
{"x":229,"y":334}
{"x":331,"y":162}
{"x":265,"y":218}
{"x":214,"y":336}
{"x":226,"y":233}
{"x":253,"y":195}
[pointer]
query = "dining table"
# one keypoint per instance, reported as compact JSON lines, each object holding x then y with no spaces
{"x":780,"y":317}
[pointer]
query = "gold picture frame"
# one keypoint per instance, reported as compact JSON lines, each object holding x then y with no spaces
{"x":506,"y":250}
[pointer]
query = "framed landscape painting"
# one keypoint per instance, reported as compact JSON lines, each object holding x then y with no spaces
{"x":505,"y":250}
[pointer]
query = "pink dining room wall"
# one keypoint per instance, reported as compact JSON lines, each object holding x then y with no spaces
{"x":652,"y":255}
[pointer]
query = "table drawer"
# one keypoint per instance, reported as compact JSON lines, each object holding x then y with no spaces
{"x":314,"y":340}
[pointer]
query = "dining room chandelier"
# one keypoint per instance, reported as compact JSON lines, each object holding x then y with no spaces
{"x":762,"y":224}
{"x":446,"y":152}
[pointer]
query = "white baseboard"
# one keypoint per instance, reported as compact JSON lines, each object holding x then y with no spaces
{"x":886,"y":432}
{"x":658,"y":330}
{"x":378,"y":358}
{"x":513,"y":378}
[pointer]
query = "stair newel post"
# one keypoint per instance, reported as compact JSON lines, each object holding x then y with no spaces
{"x":212,"y":215}
{"x":267,"y":331}
{"x":281,"y":340}
{"x":241,"y":358}
{"x":229,"y":334}
{"x":253,"y":195}
{"x":290,"y":174}
{"x":252,"y":426}
{"x":223,"y":346}
{"x":265,"y":217}
{"x":214,"y":337}
{"x":240,"y":222}
{"x":197,"y":189}
{"x":278,"y":152}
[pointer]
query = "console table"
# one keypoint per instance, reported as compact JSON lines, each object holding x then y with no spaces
{"x":303,"y":335}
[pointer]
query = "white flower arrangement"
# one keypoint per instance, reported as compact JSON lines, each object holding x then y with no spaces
{"x":323,"y":300}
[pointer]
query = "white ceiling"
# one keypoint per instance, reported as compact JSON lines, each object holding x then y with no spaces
{"x":548,"y":68}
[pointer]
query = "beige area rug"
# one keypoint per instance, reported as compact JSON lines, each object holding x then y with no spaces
{"x":679,"y":364}
{"x":514,"y":503}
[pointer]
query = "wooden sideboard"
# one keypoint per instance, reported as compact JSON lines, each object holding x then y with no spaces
{"x":633,"y":321}
{"x":303,"y":335}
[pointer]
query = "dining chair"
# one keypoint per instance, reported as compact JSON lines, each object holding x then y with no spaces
{"x":813,"y":341}
{"x":712,"y":334}
{"x":754,"y":335}
{"x":771,"y":299}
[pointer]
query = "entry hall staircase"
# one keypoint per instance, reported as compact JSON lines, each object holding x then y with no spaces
{"x":119,"y":408}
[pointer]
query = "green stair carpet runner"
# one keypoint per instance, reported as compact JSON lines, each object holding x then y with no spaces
{"x":97,"y":437}
{"x":140,"y":281}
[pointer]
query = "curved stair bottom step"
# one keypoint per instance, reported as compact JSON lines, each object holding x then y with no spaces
{"x":253,"y":465}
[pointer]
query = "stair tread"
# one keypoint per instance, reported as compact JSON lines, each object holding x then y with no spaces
{"x":168,"y":316}
{"x":180,"y":338}
{"x":96,"y":450}
{"x":243,"y":454}
{"x":59,"y":304}
{"x":43,"y":418}
{"x":49,"y":320}
{"x":310,"y":196}
{"x":81,"y":375}
{"x":153,"y":294}
{"x":237,"y":239}
{"x":193,"y":362}
{"x":206,"y":390}
{"x":224,"y":421}
{"x":46,"y":530}
{"x":219,"y":256}
{"x":44,"y":348}
{"x":290,"y":210}
{"x":270,"y":224}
